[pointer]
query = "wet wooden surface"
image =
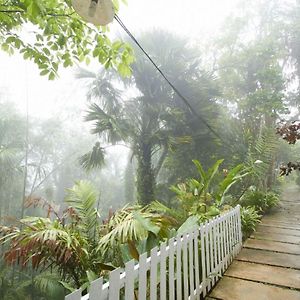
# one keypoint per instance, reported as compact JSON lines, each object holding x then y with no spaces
{"x":268,"y":267}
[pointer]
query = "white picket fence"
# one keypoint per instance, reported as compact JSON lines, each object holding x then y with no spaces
{"x":187,"y":267}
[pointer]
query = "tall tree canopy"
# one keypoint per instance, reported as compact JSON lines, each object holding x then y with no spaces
{"x":149,"y":120}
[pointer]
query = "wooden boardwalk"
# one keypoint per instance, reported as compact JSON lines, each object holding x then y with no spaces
{"x":268,"y":267}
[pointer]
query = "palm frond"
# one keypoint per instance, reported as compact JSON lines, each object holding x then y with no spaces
{"x":160,"y":208}
{"x":135,"y":223}
{"x":43,"y":242}
{"x":102,"y":88}
{"x":112,"y":127}
{"x":48,"y":284}
{"x":93,"y":159}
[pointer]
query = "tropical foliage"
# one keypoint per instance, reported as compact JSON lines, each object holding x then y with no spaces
{"x":148,"y":123}
{"x":75,"y":244}
{"x":58,"y":37}
{"x":249,"y":218}
{"x":259,"y":200}
{"x":150,"y":169}
{"x":204,"y":197}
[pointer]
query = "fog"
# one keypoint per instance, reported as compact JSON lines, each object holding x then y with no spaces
{"x":64,"y":99}
{"x":131,"y":147}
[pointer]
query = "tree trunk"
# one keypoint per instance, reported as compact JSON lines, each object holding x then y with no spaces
{"x":129,"y":182}
{"x":145,"y":175}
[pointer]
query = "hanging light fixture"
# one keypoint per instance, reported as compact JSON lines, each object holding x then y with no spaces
{"x":97,"y":12}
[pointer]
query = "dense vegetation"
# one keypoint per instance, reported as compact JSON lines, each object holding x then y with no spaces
{"x":71,"y":210}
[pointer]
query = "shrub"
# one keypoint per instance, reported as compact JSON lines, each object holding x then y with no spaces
{"x":271,"y":199}
{"x":259,"y":200}
{"x":249,"y":217}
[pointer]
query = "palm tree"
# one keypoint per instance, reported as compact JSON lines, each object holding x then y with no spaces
{"x":144,"y":112}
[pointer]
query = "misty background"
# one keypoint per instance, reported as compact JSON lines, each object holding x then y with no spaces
{"x":236,"y":62}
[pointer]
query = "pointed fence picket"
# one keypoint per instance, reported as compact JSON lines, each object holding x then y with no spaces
{"x":185,"y":268}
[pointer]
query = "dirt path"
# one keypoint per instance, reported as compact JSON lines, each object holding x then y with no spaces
{"x":268,"y":267}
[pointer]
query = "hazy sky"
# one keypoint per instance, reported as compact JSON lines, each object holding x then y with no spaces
{"x":192,"y":18}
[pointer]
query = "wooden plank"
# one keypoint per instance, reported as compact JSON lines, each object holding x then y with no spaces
{"x":203,"y":257}
{"x":143,"y":277}
{"x":76,"y":295}
{"x":280,"y":220}
{"x":207,"y":257}
{"x":171,"y":269}
{"x":215,"y":261}
{"x":280,"y":215}
{"x":231,"y":238}
{"x":267,"y":274}
{"x":222,"y":241}
{"x":95,"y":291}
{"x":129,"y":280}
{"x":185,"y":268}
{"x":262,"y":228}
{"x":191,"y":265}
{"x":178,"y":268}
{"x":114,"y":284}
{"x":196,"y":259}
{"x":235,"y":235}
{"x":227,"y":243}
{"x":240,"y":227}
{"x":270,"y":258}
{"x":272,"y":246}
{"x":273,"y":225}
{"x":163,"y":271}
{"x":219,"y":258}
{"x":153,"y":274}
{"x":276,"y":237}
{"x":281,"y":223}
{"x":211,"y":256}
{"x":237,"y":289}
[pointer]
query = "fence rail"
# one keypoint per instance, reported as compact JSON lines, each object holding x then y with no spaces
{"x":187,"y":267}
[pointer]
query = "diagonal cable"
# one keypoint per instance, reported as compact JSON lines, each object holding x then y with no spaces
{"x":183,"y":98}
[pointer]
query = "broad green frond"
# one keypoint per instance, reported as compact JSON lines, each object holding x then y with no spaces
{"x":132,"y":224}
{"x":93,"y":159}
{"x":48,"y":284}
{"x":112,"y":127}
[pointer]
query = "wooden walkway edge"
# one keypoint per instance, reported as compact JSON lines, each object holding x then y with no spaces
{"x":268,"y":267}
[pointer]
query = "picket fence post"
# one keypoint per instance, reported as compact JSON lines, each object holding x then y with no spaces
{"x":185,"y":268}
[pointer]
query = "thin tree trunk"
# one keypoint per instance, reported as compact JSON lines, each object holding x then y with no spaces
{"x":26,"y":162}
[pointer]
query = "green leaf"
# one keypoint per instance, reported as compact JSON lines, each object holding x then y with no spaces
{"x":124,"y":70}
{"x":51,"y":76}
{"x":44,"y":72}
{"x":91,"y":275}
{"x":188,"y":225}
{"x":67,"y":286}
{"x":200,"y":169}
{"x":146,"y":223}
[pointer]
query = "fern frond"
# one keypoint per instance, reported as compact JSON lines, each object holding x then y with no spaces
{"x":261,"y":152}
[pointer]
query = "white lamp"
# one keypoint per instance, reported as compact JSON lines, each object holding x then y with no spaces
{"x":97,"y":12}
